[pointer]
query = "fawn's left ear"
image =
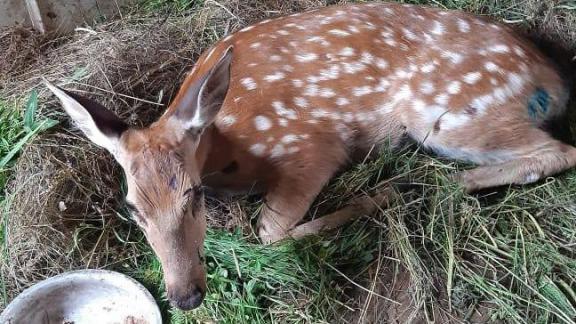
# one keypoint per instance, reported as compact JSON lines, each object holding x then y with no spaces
{"x":201,"y":102}
{"x":100,"y":125}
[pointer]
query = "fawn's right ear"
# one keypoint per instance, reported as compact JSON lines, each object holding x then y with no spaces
{"x":100,"y":125}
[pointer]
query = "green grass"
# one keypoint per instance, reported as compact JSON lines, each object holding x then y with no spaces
{"x":294,"y":282}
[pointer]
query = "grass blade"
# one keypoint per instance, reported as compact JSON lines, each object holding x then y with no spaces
{"x":44,"y":125}
{"x":30,"y":112}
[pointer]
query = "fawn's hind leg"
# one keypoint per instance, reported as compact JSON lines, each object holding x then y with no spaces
{"x":545,"y":156}
{"x":364,"y":205}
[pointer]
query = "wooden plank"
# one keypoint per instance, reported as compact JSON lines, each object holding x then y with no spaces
{"x":35,"y":15}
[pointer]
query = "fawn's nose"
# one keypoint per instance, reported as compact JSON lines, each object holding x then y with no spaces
{"x":187,"y":301}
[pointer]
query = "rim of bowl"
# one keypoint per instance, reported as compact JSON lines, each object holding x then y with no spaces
{"x":84,"y":273}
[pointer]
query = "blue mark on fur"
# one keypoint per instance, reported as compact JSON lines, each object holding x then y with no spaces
{"x":538,"y":103}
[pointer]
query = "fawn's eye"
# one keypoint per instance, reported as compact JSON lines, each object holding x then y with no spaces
{"x":197,"y":190}
{"x":198,"y":194}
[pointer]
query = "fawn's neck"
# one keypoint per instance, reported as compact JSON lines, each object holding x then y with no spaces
{"x":214,"y":151}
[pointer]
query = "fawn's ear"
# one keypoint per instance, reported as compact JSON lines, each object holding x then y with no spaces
{"x":100,"y":125}
{"x":199,"y":105}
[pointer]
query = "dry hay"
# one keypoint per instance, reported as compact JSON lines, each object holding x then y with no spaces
{"x":66,"y":209}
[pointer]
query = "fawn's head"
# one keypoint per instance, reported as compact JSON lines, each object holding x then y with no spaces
{"x":163,"y":174}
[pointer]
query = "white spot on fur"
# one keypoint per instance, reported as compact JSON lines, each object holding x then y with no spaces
{"x":353,"y":67}
{"x":382,"y":85}
{"x":318,"y":39}
{"x":427,"y":87}
{"x":453,"y":57}
{"x":404,"y":74}
{"x":275,"y":58}
{"x":248,"y":83}
{"x":442,"y":99}
{"x":404,"y":93}
{"x":438,"y":28}
{"x":246,"y":29}
{"x":453,"y":121}
{"x":454,"y":87}
{"x":531,"y":177}
{"x":390,"y":42}
{"x":319,"y":113}
{"x":381,"y":63}
{"x":327,"y":93}
{"x":298,"y":83}
{"x":257,"y":149}
{"x":499,"y":48}
{"x":346,"y":51}
{"x":428,"y":67}
{"x":282,"y":111}
{"x":342,"y":101}
{"x":292,"y":150}
{"x":463,"y":25}
{"x":308,"y":57}
{"x":301,"y":102}
{"x":290,"y":138}
{"x":262,"y":123}
{"x":255,"y":45}
{"x":277,"y":151}
{"x":283,"y":122}
{"x":518,"y":51}
{"x":343,"y":132}
{"x":339,"y":32}
{"x":362,"y":91}
{"x":311,"y":90}
{"x":472,"y":77}
{"x":482,"y":103}
{"x":366,"y":58}
{"x":369,"y":26}
{"x":491,"y":66}
{"x":274,"y":77}
{"x":330,"y":73}
{"x":409,"y":34}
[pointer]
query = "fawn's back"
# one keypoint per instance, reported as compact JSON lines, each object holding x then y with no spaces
{"x":352,"y":77}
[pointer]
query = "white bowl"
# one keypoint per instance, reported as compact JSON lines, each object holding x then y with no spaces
{"x":84,"y":297}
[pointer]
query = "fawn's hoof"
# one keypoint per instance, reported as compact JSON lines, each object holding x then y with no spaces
{"x":269,"y":234}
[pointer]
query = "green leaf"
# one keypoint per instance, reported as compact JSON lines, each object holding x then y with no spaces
{"x":31,"y":107}
{"x":44,"y":125}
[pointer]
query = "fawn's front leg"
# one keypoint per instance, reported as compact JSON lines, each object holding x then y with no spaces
{"x":289,"y":199}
